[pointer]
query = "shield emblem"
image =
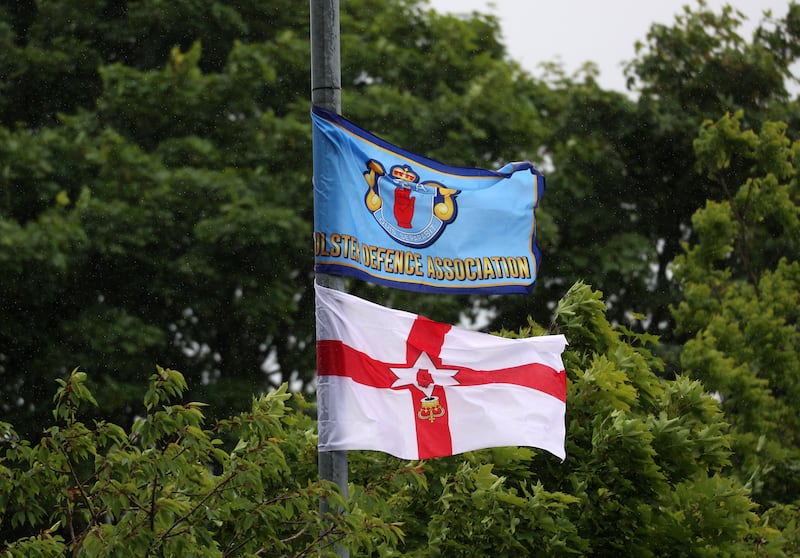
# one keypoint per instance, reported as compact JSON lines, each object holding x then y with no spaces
{"x":414,"y":214}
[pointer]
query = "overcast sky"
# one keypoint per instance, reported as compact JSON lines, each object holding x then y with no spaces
{"x":601,"y":31}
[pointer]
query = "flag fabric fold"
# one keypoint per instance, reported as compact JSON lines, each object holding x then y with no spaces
{"x":399,"y":383}
{"x":392,"y":217}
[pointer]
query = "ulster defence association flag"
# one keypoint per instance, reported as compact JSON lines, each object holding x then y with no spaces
{"x":388,"y":216}
{"x":396,"y":382}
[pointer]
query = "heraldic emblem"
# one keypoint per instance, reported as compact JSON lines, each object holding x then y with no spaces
{"x":412,"y":213}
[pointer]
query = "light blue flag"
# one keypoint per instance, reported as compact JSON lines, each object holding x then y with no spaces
{"x":394,"y":218}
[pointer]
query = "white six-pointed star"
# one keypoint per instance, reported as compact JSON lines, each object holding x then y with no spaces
{"x":411,"y":375}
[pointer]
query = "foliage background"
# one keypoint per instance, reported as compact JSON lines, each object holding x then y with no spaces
{"x":155,"y":208}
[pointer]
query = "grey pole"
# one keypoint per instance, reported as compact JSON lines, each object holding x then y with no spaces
{"x":326,"y":92}
{"x":326,"y":72}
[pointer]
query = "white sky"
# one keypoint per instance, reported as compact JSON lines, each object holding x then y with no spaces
{"x":600,"y":31}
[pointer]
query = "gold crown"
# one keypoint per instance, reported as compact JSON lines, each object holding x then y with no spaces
{"x":404,"y":173}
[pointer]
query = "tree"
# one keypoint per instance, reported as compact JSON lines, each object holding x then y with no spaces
{"x":740,"y":278}
{"x":155,"y":207}
{"x":645,"y":475}
{"x":623,"y":186}
{"x":168,"y":487}
{"x":156,"y":198}
{"x":697,"y":69}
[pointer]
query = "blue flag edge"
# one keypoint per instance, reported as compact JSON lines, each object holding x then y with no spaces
{"x":438,"y":166}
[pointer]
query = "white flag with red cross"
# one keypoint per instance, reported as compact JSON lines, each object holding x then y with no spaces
{"x":399,"y":383}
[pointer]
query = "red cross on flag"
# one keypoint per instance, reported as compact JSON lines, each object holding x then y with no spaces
{"x":402,"y":384}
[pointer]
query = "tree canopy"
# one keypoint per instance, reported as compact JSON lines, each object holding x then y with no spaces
{"x":740,"y":306}
{"x":645,"y":475}
{"x":156,"y":208}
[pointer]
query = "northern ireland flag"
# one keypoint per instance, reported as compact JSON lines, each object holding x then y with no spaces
{"x":402,"y":384}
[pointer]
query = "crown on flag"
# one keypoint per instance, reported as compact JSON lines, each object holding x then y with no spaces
{"x":404,"y":173}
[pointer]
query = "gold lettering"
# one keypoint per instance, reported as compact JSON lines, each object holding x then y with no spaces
{"x":471,"y":275}
{"x":381,"y":258}
{"x":398,"y":262}
{"x":439,"y":268}
{"x":373,"y":257}
{"x":354,"y":249}
{"x":431,"y":270}
{"x":418,"y":264}
{"x":448,"y":269}
{"x":459,"y":267}
{"x":336,"y":250}
{"x":319,"y":244}
{"x":513,"y":270}
{"x":524,"y":269}
{"x":498,"y":263}
{"x":488,"y":270}
{"x":408,"y":267}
